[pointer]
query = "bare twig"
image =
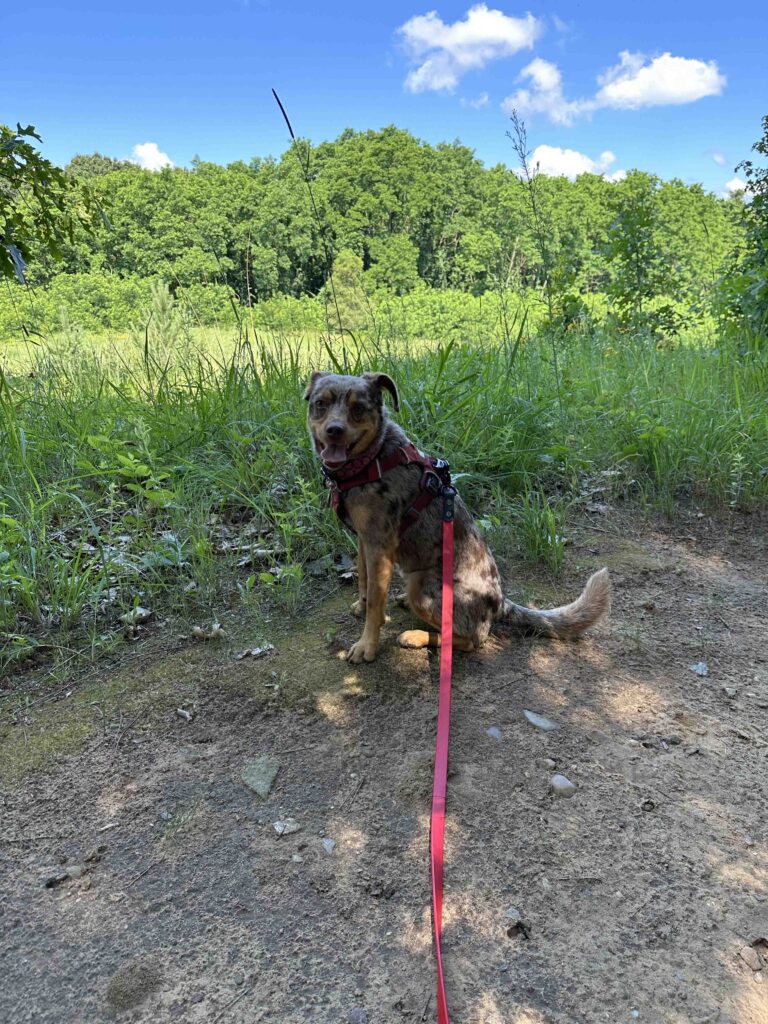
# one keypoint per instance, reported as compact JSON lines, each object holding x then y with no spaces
{"x":230,"y":1004}
{"x":146,"y":870}
{"x":349,"y":800}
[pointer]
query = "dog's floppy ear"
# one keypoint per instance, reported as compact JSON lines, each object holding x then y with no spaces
{"x":313,"y":379}
{"x":383,"y":380}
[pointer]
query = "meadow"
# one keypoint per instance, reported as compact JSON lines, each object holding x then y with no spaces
{"x":170,"y":468}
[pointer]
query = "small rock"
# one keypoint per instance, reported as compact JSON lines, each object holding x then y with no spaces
{"x":216,"y":632}
{"x":493,"y":732}
{"x":550,"y":763}
{"x":357,"y":1015}
{"x":700,"y":668}
{"x":751,"y":958}
{"x":297,"y":858}
{"x":287,"y":827}
{"x":76,"y":870}
{"x":186,"y":715}
{"x":239,"y":978}
{"x":561,"y":786}
{"x":136,"y":616}
{"x":54,"y":878}
{"x":329,"y":845}
{"x":647,"y":804}
{"x":540,"y":721}
{"x":255,"y":652}
{"x":513,"y":914}
{"x":259,"y":775}
{"x":729,"y":691}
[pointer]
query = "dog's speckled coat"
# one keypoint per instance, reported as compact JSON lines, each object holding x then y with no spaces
{"x":347,"y":416}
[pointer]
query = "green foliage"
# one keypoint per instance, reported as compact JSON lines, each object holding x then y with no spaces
{"x":40,"y":206}
{"x":396,"y":264}
{"x":415,"y":214}
{"x":348,"y":293}
{"x":751,"y":283}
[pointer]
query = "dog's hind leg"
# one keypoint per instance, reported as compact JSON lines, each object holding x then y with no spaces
{"x":421,"y":595}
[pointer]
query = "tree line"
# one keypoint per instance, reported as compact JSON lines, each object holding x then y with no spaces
{"x":410,"y":211}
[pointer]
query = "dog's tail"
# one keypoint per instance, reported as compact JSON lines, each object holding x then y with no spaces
{"x":569,"y":621}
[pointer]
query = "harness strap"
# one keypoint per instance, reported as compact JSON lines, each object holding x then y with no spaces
{"x":435,"y":478}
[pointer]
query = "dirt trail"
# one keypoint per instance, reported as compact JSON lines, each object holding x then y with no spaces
{"x":643,"y":893}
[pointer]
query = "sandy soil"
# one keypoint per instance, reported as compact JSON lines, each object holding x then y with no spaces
{"x":644,"y":896}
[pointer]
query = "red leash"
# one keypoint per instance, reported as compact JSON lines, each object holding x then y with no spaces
{"x":437,"y":822}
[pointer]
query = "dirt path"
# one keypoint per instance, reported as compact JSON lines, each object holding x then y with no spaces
{"x":643,"y":893}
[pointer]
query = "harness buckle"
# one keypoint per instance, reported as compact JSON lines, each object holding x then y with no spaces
{"x":443,"y":470}
{"x":449,"y":495}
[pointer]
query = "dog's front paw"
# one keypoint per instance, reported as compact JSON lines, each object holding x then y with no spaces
{"x":363,"y":650}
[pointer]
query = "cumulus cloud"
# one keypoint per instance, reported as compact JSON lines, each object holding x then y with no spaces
{"x":545,"y":95}
{"x":570,"y":163}
{"x":735,"y":185}
{"x":444,"y":53}
{"x":149,"y":156}
{"x":666,"y":80}
{"x":719,"y":158}
{"x":628,"y":85}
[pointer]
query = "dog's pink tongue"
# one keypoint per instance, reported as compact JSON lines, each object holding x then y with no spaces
{"x":334,"y":454}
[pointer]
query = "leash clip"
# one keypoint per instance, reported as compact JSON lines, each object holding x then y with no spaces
{"x":449,"y":495}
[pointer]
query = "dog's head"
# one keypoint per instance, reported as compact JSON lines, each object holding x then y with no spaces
{"x":346,"y":414}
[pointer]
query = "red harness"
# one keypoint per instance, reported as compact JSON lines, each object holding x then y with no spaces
{"x":369,"y":468}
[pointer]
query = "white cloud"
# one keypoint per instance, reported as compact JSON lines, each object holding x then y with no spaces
{"x":719,"y":158}
{"x":545,"y":95}
{"x":666,"y":80}
{"x":444,"y":53}
{"x":478,"y":103}
{"x":629,"y":85}
{"x":149,"y":156}
{"x":735,"y":185}
{"x":554,"y":161}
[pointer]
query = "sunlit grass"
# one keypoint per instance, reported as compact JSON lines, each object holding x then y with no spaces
{"x":137,"y":469}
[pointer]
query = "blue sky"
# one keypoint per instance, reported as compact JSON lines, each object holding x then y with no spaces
{"x":674,"y":88}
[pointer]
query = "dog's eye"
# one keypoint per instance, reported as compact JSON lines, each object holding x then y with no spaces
{"x":358,"y":411}
{"x":319,"y":407}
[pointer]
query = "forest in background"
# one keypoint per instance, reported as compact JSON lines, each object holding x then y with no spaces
{"x":396,"y":217}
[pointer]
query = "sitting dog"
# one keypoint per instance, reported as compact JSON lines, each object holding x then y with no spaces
{"x":382,"y":487}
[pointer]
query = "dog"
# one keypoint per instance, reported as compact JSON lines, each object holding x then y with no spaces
{"x":382,"y":487}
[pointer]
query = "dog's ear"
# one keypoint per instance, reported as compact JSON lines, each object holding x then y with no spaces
{"x":313,"y":379}
{"x":383,"y":380}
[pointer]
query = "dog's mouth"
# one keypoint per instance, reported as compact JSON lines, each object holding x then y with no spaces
{"x":334,"y":454}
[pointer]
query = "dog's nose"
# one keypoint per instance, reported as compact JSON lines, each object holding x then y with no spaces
{"x":334,"y":429}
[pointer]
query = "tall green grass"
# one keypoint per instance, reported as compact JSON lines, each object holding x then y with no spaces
{"x":179,"y":473}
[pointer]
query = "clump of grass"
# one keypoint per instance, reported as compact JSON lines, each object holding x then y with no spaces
{"x":540,"y":522}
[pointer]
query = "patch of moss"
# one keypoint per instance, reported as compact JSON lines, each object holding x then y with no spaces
{"x":132,"y":983}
